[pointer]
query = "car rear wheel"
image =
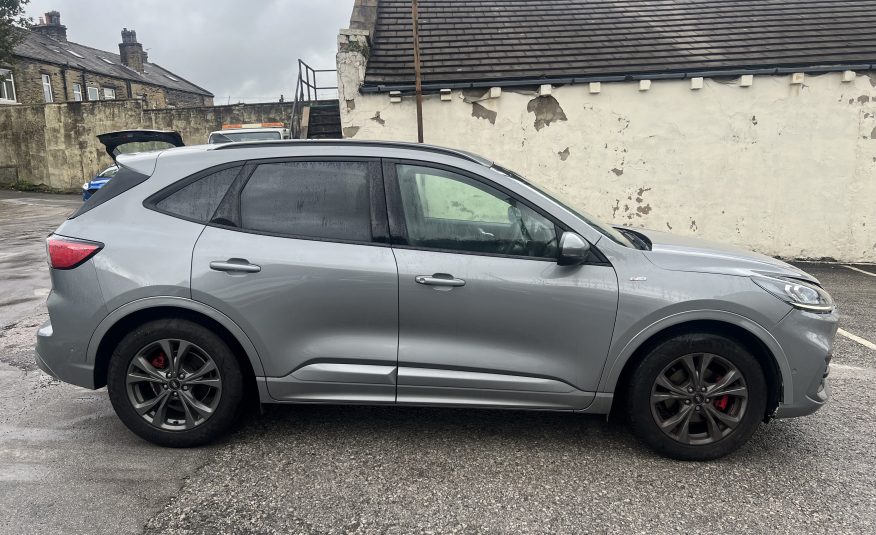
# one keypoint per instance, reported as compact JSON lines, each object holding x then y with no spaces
{"x":697,"y":397}
{"x":175,"y":383}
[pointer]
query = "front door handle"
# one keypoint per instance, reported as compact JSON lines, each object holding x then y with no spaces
{"x":235,"y":265}
{"x":439,"y":279}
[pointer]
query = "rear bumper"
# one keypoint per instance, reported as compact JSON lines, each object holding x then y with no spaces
{"x":54,"y":358}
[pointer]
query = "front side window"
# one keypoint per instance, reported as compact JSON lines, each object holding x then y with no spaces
{"x":447,"y":211}
{"x":199,"y":199}
{"x":322,"y":200}
{"x":93,"y":93}
{"x":47,"y":88}
{"x":109,"y":93}
{"x":7,"y":86}
{"x":77,"y":92}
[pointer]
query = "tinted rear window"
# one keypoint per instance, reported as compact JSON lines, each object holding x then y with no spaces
{"x":328,"y":200}
{"x":124,"y":180}
{"x":199,"y":199}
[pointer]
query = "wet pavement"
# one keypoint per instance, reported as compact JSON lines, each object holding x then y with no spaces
{"x":67,"y":465}
{"x":25,"y":221}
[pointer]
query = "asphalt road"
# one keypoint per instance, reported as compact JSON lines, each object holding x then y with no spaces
{"x":67,"y":465}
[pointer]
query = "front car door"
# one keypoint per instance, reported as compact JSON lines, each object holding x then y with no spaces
{"x":486,"y":315}
{"x":298,"y":255}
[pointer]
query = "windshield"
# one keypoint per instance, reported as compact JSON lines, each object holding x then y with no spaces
{"x":228,"y":137}
{"x":606,"y":230}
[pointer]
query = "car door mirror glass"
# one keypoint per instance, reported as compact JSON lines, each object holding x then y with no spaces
{"x":574,"y":249}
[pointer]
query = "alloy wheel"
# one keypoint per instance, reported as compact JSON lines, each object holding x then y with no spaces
{"x":699,"y":398}
{"x":173,"y":384}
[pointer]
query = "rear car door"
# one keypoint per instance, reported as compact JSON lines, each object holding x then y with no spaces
{"x":486,"y":315}
{"x":298,"y":255}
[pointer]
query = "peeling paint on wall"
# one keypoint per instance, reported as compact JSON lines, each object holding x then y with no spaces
{"x":351,"y":104}
{"x":547,"y":110}
{"x":617,"y":171}
{"x":478,"y":111}
{"x":696,"y":152}
{"x":564,"y":154}
{"x":863,"y":99}
{"x":377,"y":119}
{"x":351,"y":131}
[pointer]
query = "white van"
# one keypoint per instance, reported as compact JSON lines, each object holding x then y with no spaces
{"x":249,"y":132}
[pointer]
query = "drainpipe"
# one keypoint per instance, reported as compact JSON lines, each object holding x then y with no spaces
{"x":417,"y":78}
{"x":64,"y":82}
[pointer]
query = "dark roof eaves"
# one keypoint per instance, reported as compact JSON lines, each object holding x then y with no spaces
{"x":613,"y":77}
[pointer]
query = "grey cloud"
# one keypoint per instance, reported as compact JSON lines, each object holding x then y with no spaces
{"x":235,"y":49}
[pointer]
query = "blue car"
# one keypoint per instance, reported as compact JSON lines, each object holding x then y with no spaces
{"x":98,"y":182}
{"x":126,"y":142}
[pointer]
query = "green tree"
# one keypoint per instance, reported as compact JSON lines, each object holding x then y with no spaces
{"x":12,"y":20}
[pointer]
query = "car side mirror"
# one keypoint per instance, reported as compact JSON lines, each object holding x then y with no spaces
{"x":574,"y":249}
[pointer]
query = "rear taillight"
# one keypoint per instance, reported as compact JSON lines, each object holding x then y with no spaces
{"x":67,"y":253}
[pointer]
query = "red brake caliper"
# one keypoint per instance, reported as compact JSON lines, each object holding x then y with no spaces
{"x":159,"y":361}
{"x":721,"y":403}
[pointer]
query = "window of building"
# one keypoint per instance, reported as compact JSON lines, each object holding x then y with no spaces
{"x":448,"y":211}
{"x":47,"y":88}
{"x":105,"y":60}
{"x":172,"y":78}
{"x":75,"y":53}
{"x":109,"y":93}
{"x":7,"y":86}
{"x":77,"y":92}
{"x":93,"y":93}
{"x":323,"y":200}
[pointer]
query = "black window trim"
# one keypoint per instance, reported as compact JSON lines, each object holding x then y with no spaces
{"x":398,"y":226}
{"x":230,"y":205}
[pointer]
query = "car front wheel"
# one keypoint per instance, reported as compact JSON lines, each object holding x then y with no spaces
{"x":697,"y":397}
{"x":175,"y":383}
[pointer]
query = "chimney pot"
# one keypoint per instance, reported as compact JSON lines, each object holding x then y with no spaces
{"x":50,"y":26}
{"x":131,"y":51}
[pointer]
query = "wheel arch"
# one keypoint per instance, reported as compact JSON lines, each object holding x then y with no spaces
{"x":752,"y":336}
{"x":119,"y":322}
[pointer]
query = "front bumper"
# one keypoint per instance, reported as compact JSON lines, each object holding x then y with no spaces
{"x":54,"y":358}
{"x":807,"y":340}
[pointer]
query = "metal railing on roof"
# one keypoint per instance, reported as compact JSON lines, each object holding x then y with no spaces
{"x":308,"y":92}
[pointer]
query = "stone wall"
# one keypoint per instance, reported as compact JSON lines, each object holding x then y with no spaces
{"x":56,"y":144}
{"x":782,"y":168}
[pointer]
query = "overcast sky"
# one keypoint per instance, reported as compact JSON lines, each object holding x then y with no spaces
{"x":246,"y":50}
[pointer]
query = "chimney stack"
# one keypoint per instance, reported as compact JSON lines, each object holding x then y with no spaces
{"x":131,"y":51}
{"x":50,"y":26}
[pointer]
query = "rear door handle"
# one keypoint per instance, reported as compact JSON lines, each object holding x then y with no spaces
{"x":439,"y":279}
{"x":235,"y":265}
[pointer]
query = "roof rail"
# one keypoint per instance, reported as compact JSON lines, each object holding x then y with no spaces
{"x":480,"y":160}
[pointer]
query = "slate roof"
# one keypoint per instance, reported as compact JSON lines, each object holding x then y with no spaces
{"x":484,"y":41}
{"x":42,"y":48}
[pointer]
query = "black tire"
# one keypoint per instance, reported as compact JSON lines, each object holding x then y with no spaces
{"x":229,"y":399}
{"x":661,"y":360}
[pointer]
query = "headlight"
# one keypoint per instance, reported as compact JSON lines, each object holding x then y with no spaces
{"x":85,"y":186}
{"x":797,"y":293}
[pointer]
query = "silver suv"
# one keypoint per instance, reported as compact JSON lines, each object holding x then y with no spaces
{"x":392,"y":273}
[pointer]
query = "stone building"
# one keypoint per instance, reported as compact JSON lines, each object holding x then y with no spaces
{"x":751,"y":123}
{"x":49,"y":68}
